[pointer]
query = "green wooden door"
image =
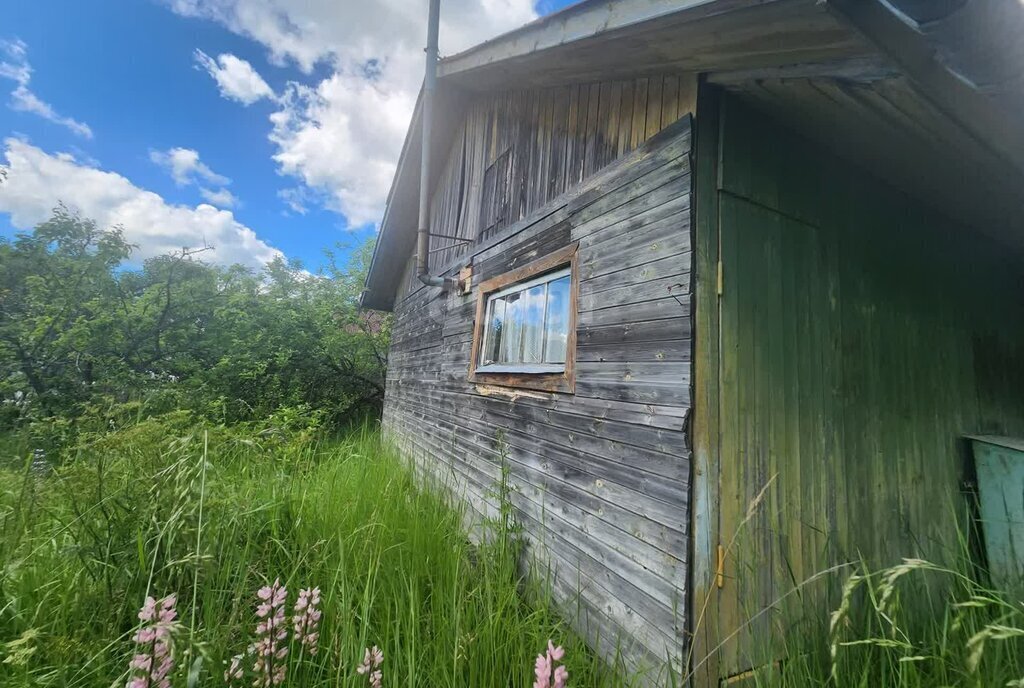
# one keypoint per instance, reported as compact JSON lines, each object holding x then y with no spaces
{"x":779,"y":473}
{"x":860,"y":337}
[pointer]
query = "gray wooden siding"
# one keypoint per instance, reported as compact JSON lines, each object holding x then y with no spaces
{"x":518,"y":150}
{"x":601,"y":476}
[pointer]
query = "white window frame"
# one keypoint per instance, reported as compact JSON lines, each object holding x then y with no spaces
{"x":522,"y":368}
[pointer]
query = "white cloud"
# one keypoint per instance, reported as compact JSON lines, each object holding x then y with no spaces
{"x":296,"y":198}
{"x":326,"y":139}
{"x":15,"y":67}
{"x":186,"y":168}
{"x":222,"y":198}
{"x":36,"y":181}
{"x":341,"y":137}
{"x":235,"y":77}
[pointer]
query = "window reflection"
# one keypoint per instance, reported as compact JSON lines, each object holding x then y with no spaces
{"x":528,"y":324}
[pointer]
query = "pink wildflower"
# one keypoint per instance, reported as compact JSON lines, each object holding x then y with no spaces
{"x":234,"y":670}
{"x":153,"y":663}
{"x":271,"y":631}
{"x":306,"y":620}
{"x":548,"y":675}
{"x":371,"y":666}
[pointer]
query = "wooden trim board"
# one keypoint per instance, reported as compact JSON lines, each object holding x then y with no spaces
{"x":703,"y":611}
{"x":565,"y":381}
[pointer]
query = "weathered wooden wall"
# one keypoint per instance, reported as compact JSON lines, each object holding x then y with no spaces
{"x":600,"y":476}
{"x":862,"y":336}
{"x":540,"y":142}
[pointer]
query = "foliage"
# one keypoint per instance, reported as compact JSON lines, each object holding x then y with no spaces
{"x":916,"y":624}
{"x":211,"y":514}
{"x":912,"y":625}
{"x":920,"y":624}
{"x":81,"y":334}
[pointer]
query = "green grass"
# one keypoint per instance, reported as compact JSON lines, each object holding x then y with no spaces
{"x":212,"y":515}
{"x":915,"y":624}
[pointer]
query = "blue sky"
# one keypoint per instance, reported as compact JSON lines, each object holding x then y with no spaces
{"x":117,"y":86}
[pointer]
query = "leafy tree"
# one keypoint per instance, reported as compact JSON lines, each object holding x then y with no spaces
{"x":77,"y":328}
{"x":56,"y":290}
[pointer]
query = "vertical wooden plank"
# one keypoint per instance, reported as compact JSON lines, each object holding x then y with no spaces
{"x":523,"y":152}
{"x":572,"y":150}
{"x":467,"y":225}
{"x":704,"y":597}
{"x":625,"y":118}
{"x":557,"y":145}
{"x":804,"y":295}
{"x":515,"y":119}
{"x":593,"y":145}
{"x":653,"y":125}
{"x":688,"y":90}
{"x":776,"y":470}
{"x":759,"y":314}
{"x":832,"y":488}
{"x":536,"y":148}
{"x":547,"y":148}
{"x":792,"y":238}
{"x":670,"y":100}
{"x":507,"y":176}
{"x":475,"y":161}
{"x":729,"y":448}
{"x":611,"y":115}
{"x":582,"y":134}
{"x":491,"y":142}
{"x":854,"y":357}
{"x":638,"y":129}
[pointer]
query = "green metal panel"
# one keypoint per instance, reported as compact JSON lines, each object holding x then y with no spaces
{"x":999,"y":462}
{"x":862,"y":336}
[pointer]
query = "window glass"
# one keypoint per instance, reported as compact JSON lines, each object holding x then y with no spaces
{"x":511,"y":340}
{"x":527,"y":325}
{"x":533,"y":324}
{"x":495,"y":320}
{"x":557,"y":321}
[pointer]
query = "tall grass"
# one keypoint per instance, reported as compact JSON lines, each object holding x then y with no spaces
{"x":915,"y":624}
{"x":212,"y":515}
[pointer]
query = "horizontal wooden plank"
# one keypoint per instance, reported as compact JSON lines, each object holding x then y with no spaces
{"x":642,"y":352}
{"x":623,"y":334}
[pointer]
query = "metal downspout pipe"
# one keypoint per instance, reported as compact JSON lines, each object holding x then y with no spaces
{"x":427,"y":118}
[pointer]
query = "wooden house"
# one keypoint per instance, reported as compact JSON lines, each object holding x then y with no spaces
{"x":726,"y":282}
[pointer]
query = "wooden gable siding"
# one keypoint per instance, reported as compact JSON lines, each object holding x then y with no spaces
{"x":862,"y":337}
{"x":600,"y":476}
{"x":544,"y":142}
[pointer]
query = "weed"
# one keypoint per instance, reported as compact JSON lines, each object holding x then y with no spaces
{"x":211,"y":514}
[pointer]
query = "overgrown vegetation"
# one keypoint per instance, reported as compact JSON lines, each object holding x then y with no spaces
{"x":83,"y":335}
{"x":211,"y":515}
{"x":915,"y":624}
{"x":180,"y":436}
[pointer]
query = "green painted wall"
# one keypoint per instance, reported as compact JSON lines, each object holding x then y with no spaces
{"x":862,"y":336}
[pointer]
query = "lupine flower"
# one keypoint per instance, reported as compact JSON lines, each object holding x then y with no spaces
{"x":154,"y":661}
{"x":271,"y":631}
{"x":234,"y":670}
{"x":371,"y":666}
{"x":307,"y":619}
{"x":549,"y":676}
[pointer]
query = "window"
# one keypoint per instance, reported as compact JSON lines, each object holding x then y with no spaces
{"x":526,"y":326}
